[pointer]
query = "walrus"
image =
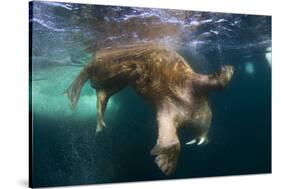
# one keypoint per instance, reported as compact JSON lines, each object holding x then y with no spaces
{"x":164,"y":78}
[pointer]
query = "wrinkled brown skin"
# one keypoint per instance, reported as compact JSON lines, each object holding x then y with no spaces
{"x":178,"y":94}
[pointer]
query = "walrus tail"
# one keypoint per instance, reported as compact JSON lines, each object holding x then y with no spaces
{"x":73,"y":91}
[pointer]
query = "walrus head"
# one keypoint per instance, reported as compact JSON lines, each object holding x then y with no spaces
{"x":192,"y":115}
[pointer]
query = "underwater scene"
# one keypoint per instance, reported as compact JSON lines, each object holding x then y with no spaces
{"x":67,"y":148}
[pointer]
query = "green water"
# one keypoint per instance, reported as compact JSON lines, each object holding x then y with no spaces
{"x":66,"y":150}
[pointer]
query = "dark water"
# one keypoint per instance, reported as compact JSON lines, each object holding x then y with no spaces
{"x":66,"y":150}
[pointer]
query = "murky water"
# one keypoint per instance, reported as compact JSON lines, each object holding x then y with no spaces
{"x":66,"y":150}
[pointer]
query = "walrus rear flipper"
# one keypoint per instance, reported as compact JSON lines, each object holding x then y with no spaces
{"x":216,"y":81}
{"x":73,"y":91}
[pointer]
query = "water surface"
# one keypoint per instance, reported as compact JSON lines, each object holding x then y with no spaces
{"x":65,"y":148}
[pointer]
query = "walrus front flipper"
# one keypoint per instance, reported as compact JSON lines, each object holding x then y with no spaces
{"x":73,"y":91}
{"x":216,"y":81}
{"x":168,"y":146}
{"x":102,"y":99}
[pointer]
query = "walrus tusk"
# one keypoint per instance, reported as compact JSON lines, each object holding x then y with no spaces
{"x":201,"y":141}
{"x":191,"y":142}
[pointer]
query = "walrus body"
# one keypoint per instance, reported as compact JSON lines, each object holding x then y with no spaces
{"x":178,"y":94}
